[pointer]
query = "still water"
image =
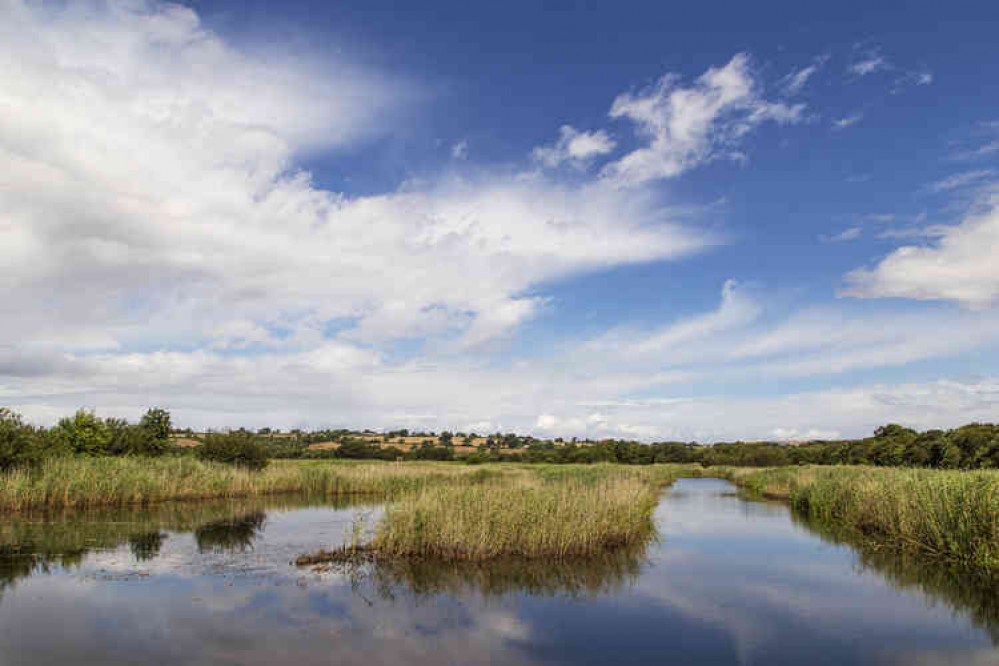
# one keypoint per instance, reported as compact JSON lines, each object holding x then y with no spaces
{"x":730,"y":581}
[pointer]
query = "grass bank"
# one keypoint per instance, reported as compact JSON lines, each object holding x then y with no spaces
{"x":81,"y":482}
{"x":952,"y":515}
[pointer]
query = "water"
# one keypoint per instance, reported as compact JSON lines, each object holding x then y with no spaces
{"x":730,"y":582}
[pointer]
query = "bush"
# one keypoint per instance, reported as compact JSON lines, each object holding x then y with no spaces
{"x":132,"y":440}
{"x":238,"y":448}
{"x":20,"y":444}
{"x":155,"y":424}
{"x":431,"y":453}
{"x":82,"y":433}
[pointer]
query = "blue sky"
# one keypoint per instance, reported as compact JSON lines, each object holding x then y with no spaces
{"x":593,"y":219}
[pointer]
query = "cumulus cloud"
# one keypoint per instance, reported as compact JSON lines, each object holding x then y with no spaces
{"x":688,"y":126}
{"x":158,"y":245}
{"x":574,"y":147}
{"x":961,"y":266}
{"x":150,"y":199}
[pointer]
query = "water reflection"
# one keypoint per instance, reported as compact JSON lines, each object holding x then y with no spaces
{"x":731,"y":582}
{"x":968,"y":592}
{"x":35,"y":542}
{"x":146,"y":546}
{"x":609,"y":573}
{"x":233,"y":534}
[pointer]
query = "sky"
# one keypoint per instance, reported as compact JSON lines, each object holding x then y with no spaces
{"x":634,"y":220}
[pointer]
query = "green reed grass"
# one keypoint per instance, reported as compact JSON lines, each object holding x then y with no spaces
{"x":86,"y":482}
{"x":948,"y":514}
{"x":523,"y":517}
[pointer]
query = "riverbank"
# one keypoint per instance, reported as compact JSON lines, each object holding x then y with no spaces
{"x":81,"y":482}
{"x":951,"y":515}
{"x":448,"y":509}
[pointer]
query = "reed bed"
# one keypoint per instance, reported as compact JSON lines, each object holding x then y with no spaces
{"x":87,"y":482}
{"x":948,"y":514}
{"x":526,"y":517}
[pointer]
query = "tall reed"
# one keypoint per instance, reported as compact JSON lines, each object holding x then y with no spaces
{"x":85,"y":482}
{"x":525,"y":517}
{"x":949,"y":514}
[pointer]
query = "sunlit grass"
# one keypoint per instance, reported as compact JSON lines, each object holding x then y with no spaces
{"x":84,"y":482}
{"x":524,"y":517}
{"x":949,"y":514}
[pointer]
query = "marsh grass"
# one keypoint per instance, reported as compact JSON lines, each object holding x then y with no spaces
{"x":526,"y":517}
{"x":86,"y":482}
{"x":952,"y":515}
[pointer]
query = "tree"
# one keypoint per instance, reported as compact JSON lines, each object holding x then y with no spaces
{"x":20,"y":444}
{"x":894,"y":431}
{"x":82,"y":433}
{"x":236,"y":448}
{"x":156,"y":424}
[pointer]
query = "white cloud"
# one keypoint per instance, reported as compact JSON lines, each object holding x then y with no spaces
{"x":150,"y":200}
{"x":916,"y":78}
{"x":871,"y":63}
{"x":459,"y":151}
{"x":853,"y":233}
{"x":574,"y":147}
{"x":736,"y":310}
{"x":932,"y":231}
{"x":796,"y":80}
{"x":793,"y":83}
{"x":961,"y":266}
{"x":848,"y":121}
{"x":985,"y":150}
{"x":959,"y":180}
{"x":671,"y":382}
{"x":689,"y":126}
{"x":793,"y":434}
{"x":158,"y":246}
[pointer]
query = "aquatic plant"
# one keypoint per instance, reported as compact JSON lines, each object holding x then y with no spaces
{"x":947,"y":514}
{"x":526,"y":518}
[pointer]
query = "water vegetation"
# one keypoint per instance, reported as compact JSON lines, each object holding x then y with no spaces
{"x":525,"y":517}
{"x":952,"y":515}
{"x":76,"y":481}
{"x":33,"y":541}
{"x":482,"y":511}
{"x":967,"y":591}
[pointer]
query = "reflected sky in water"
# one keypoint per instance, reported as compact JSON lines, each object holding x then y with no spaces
{"x":730,"y":582}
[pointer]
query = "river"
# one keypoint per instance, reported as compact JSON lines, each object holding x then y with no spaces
{"x":729,"y":581}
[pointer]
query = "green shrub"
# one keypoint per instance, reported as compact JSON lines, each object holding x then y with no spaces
{"x":82,"y":433}
{"x":237,"y":448}
{"x":20,"y":444}
{"x":133,"y":440}
{"x":156,"y":422}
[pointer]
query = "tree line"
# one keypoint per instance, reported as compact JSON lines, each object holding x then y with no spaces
{"x":972,"y":446}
